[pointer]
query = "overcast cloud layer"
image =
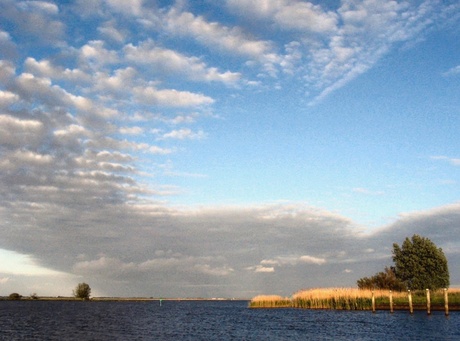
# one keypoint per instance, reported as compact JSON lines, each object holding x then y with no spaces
{"x":91,"y":107}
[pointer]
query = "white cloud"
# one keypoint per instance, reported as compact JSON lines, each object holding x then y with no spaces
{"x":45,"y":68}
{"x":131,"y":130}
{"x":167,"y":61}
{"x":118,"y":83}
{"x":366,"y":191}
{"x":14,"y":263}
{"x":71,"y":131}
{"x":7,"y":70}
{"x":261,"y":269}
{"x":215,"y":35}
{"x":452,"y":71}
{"x":41,"y":6}
{"x":109,"y":30}
{"x":7,"y":98}
{"x":31,"y":158}
{"x":183,"y":134}
{"x":288,"y":14}
{"x":170,"y":97}
{"x":312,"y":260}
{"x":293,"y":260}
{"x":18,"y":132}
{"x":368,"y":31}
{"x":32,"y":88}
{"x":115,"y":268}
{"x":94,"y":54}
{"x":132,"y":7}
{"x":217,"y":271}
{"x":159,"y":150}
{"x":452,"y":161}
{"x":7,"y":46}
{"x":34,"y":18}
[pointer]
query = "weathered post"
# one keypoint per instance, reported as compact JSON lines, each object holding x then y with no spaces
{"x":411,"y":309}
{"x":373,"y":302}
{"x":446,"y":302}
{"x":391,"y":301}
{"x":428,"y":302}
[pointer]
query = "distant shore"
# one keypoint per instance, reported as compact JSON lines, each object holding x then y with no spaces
{"x":117,"y":299}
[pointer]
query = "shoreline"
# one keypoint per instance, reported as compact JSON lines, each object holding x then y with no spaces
{"x":119,"y":299}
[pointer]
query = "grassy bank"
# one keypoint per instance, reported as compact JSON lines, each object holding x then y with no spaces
{"x":355,"y":299}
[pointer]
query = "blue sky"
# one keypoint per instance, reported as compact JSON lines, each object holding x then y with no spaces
{"x":218,"y":148}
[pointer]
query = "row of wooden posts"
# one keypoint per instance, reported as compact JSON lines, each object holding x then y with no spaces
{"x":411,"y":308}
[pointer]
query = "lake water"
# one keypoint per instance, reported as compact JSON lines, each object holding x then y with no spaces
{"x":212,"y":320}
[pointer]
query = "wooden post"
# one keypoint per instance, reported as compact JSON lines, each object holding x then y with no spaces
{"x":391,"y":302}
{"x":428,"y":302}
{"x":446,"y":302}
{"x":411,"y":309}
{"x":373,"y":302}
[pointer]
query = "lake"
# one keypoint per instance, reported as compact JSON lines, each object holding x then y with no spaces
{"x":212,"y":320}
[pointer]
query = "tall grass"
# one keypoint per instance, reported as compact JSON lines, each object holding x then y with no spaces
{"x":270,"y":301}
{"x":351,"y":299}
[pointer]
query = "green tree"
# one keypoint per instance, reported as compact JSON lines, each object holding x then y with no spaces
{"x":419,"y":264}
{"x":15,"y":296}
{"x":384,"y":280}
{"x":82,"y":291}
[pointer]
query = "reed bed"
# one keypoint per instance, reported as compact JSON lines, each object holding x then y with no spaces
{"x":351,"y":299}
{"x":270,"y":301}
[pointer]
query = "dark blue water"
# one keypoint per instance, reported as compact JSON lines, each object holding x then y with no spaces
{"x":212,"y":320}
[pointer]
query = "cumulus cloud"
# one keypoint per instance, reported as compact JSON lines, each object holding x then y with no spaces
{"x":132,"y":7}
{"x":293,"y":260}
{"x":76,"y":131}
{"x":366,"y":191}
{"x":183,"y":134}
{"x":170,"y":97}
{"x":261,"y":269}
{"x":7,"y":47}
{"x":131,"y":130}
{"x":288,"y":14}
{"x":37,"y":19}
{"x":109,"y":30}
{"x":452,"y":71}
{"x":45,"y":68}
{"x":215,"y":35}
{"x":94,"y":55}
{"x":452,"y":161}
{"x":20,"y":132}
{"x":167,"y":61}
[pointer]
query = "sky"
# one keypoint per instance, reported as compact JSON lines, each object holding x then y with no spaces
{"x":224,"y":148}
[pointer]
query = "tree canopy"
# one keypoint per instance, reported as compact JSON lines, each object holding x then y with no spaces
{"x":383,"y":280}
{"x":419,"y":264}
{"x":82,"y":291}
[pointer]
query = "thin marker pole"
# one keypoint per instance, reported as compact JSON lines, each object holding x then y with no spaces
{"x":411,"y":309}
{"x":428,"y":302}
{"x":446,"y":302}
{"x":391,"y":301}
{"x":373,"y":302}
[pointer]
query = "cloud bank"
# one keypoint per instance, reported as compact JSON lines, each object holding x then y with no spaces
{"x":89,"y":116}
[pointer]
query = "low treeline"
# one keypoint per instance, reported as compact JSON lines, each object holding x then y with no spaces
{"x":354,"y":299}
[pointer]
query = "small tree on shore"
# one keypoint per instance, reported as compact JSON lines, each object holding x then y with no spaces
{"x":15,"y":296}
{"x":384,"y":280}
{"x":82,"y":291}
{"x":420,"y":264}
